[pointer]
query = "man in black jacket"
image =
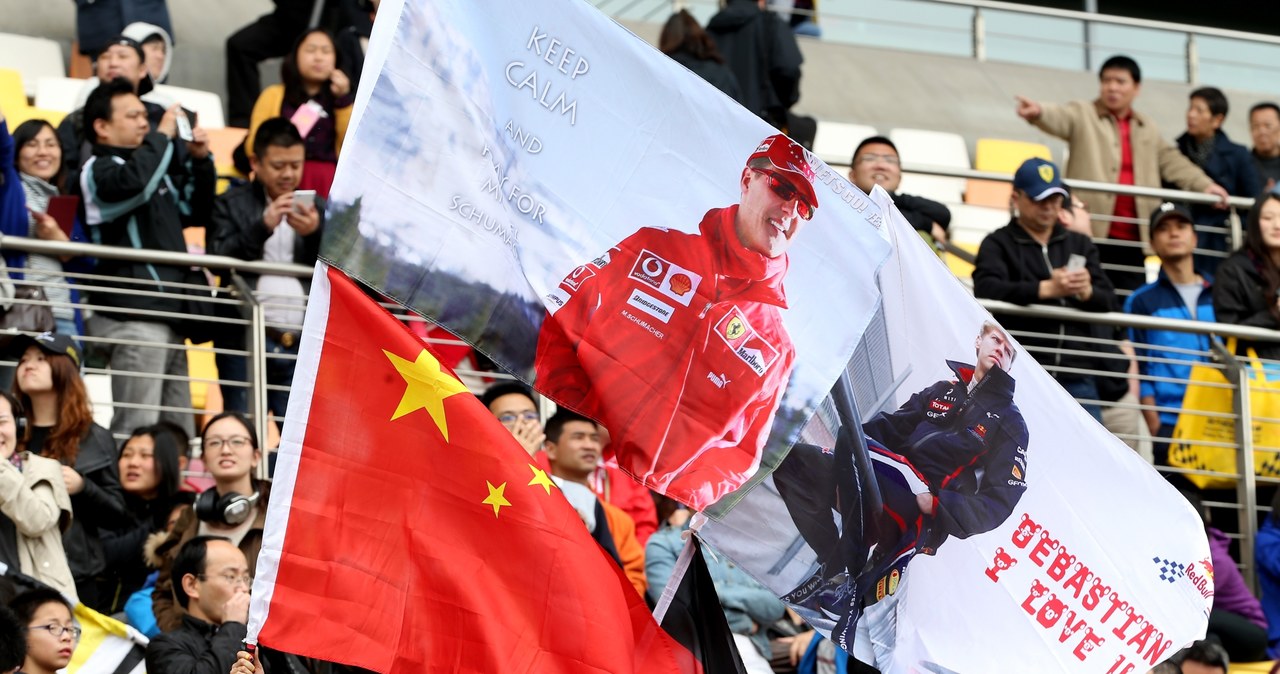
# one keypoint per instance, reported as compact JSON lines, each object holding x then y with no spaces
{"x":211,"y":580}
{"x":262,"y":221}
{"x":1035,"y":260}
{"x":760,"y":49}
{"x":139,"y":194}
{"x":876,"y":162}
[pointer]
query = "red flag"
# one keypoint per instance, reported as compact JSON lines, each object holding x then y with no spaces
{"x":408,"y":532}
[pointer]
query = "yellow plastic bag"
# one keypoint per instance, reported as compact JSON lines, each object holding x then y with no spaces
{"x":1209,"y":391}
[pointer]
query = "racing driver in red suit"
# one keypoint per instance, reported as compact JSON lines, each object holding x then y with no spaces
{"x":675,"y":340}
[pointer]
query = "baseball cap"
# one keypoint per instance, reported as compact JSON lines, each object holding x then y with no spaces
{"x":787,"y":159}
{"x":49,"y":342}
{"x":1039,"y":178}
{"x":1168,"y":210}
{"x":146,"y":85}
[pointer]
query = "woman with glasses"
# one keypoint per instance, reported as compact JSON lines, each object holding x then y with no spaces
{"x":52,"y":633}
{"x":235,"y":507}
{"x":49,"y":386}
{"x":34,"y":503}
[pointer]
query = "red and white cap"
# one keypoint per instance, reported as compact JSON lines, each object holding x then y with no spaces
{"x":788,"y":160}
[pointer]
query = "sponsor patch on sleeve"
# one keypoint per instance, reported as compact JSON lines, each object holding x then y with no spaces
{"x":577,"y":277}
{"x":745,"y":342}
{"x":666,"y":277}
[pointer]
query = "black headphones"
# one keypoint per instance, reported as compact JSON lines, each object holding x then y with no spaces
{"x":230,"y":508}
{"x":19,"y":416}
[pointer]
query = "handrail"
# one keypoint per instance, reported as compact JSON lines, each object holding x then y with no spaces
{"x":1119,"y":319}
{"x":57,"y":248}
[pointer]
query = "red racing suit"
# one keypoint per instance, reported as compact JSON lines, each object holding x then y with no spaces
{"x":675,"y":342}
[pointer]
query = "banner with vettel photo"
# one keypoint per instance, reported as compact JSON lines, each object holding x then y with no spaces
{"x":952,"y":509}
{"x":597,"y":219}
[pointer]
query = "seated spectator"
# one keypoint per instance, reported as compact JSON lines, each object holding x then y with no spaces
{"x":1267,"y":554}
{"x":317,"y":98}
{"x":1264,"y":128}
{"x":1203,"y":657}
{"x":689,"y":45}
{"x":97,"y":21}
{"x":1013,"y":265}
{"x":573,"y":449}
{"x":13,"y":640}
{"x":52,"y":633}
{"x":512,"y":403}
{"x":151,"y":474}
{"x":138,"y":194}
{"x":1236,"y":619}
{"x":157,"y":50}
{"x":34,"y":503}
{"x":211,"y":581}
{"x":1227,"y":163}
{"x":33,"y":173}
{"x":259,"y":221}
{"x":62,"y":429}
{"x":1108,"y":141}
{"x":749,"y":607}
{"x":1181,"y":291}
{"x":267,"y":37}
{"x":876,"y":162}
{"x":235,"y":508}
{"x":1245,"y":289}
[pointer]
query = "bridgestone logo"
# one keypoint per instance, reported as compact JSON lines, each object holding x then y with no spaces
{"x":651,"y":305}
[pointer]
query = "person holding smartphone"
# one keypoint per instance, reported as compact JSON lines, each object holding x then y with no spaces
{"x":269,"y":219}
{"x":1029,"y":261}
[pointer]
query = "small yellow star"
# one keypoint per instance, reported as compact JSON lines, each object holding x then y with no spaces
{"x":540,"y":479}
{"x":426,"y":387}
{"x":496,"y":497}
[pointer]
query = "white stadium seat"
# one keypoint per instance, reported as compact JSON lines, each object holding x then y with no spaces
{"x":933,"y":148}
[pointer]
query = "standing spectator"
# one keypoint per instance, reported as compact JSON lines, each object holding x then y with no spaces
{"x":317,"y":98}
{"x":353,"y":41}
{"x":876,"y":162}
{"x":1267,"y":555}
{"x":1264,"y":128}
{"x":136,"y":195}
{"x":35,"y":505}
{"x":1180,"y":291}
{"x":37,"y":169}
{"x":762,"y":52}
{"x":211,"y":584}
{"x":98,"y":20}
{"x":1245,"y":290}
{"x":512,"y":403}
{"x":689,"y":45}
{"x":267,"y":37}
{"x":1030,"y":261}
{"x":1111,"y":142}
{"x":52,"y":632}
{"x":261,"y":221}
{"x":62,"y":428}
{"x":1227,"y":163}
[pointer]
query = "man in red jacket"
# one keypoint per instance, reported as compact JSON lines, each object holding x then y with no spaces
{"x":675,"y":341}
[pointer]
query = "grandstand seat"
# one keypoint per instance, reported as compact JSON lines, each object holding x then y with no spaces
{"x":12,"y":95}
{"x":222,"y":142}
{"x":54,"y":117}
{"x":932,"y":148}
{"x":34,"y":57}
{"x":206,"y":104}
{"x":835,"y":141}
{"x":60,"y":93}
{"x":999,"y":156}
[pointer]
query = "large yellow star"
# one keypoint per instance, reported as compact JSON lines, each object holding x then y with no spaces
{"x":426,"y":387}
{"x":540,"y":479}
{"x":496,"y":497}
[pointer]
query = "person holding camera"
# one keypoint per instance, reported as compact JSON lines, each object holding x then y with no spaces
{"x":269,"y":219}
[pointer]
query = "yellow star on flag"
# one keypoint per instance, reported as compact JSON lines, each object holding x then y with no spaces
{"x":426,"y":387}
{"x":496,"y":497}
{"x":540,"y":479}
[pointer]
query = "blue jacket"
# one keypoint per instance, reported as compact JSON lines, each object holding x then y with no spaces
{"x":809,"y":663}
{"x":13,"y":201}
{"x":1231,"y":166}
{"x":1161,"y":299}
{"x":1267,"y":555}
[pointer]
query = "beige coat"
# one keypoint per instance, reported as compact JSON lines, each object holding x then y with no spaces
{"x":36,"y":501}
{"x":1094,"y":144}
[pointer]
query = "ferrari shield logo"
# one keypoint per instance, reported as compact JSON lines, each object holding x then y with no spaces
{"x":1046,"y":172}
{"x":734,"y":328}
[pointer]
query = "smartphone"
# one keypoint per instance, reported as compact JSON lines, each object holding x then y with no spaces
{"x":184,"y":126}
{"x":63,"y":209}
{"x":1075,"y":262}
{"x":303,"y":198}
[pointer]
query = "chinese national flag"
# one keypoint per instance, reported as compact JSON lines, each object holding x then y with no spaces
{"x":407,"y":531}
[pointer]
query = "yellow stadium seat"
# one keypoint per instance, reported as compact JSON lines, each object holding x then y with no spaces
{"x":999,"y":156}
{"x":13,"y":98}
{"x":54,"y":117}
{"x":1251,"y":667}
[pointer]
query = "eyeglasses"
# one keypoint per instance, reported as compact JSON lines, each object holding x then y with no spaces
{"x":57,"y":630}
{"x":871,"y":157}
{"x":787,"y":192}
{"x":512,"y":417}
{"x":237,"y":442}
{"x":231,"y":578}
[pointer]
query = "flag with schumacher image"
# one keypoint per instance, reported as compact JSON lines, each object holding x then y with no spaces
{"x":598,"y":220}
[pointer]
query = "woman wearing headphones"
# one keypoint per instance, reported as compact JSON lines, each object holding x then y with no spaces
{"x":235,"y":507}
{"x":49,"y":386}
{"x":35,"y":505}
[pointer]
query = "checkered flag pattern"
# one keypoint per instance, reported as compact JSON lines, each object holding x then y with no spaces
{"x":1170,"y":570}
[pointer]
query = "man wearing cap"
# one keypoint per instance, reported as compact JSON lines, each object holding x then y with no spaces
{"x":1181,"y":291}
{"x":1035,"y":260}
{"x":675,"y":340}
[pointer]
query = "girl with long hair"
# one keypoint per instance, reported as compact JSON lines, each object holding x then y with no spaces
{"x":317,"y":97}
{"x":49,"y":387}
{"x":684,"y":40}
{"x":1245,"y":290}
